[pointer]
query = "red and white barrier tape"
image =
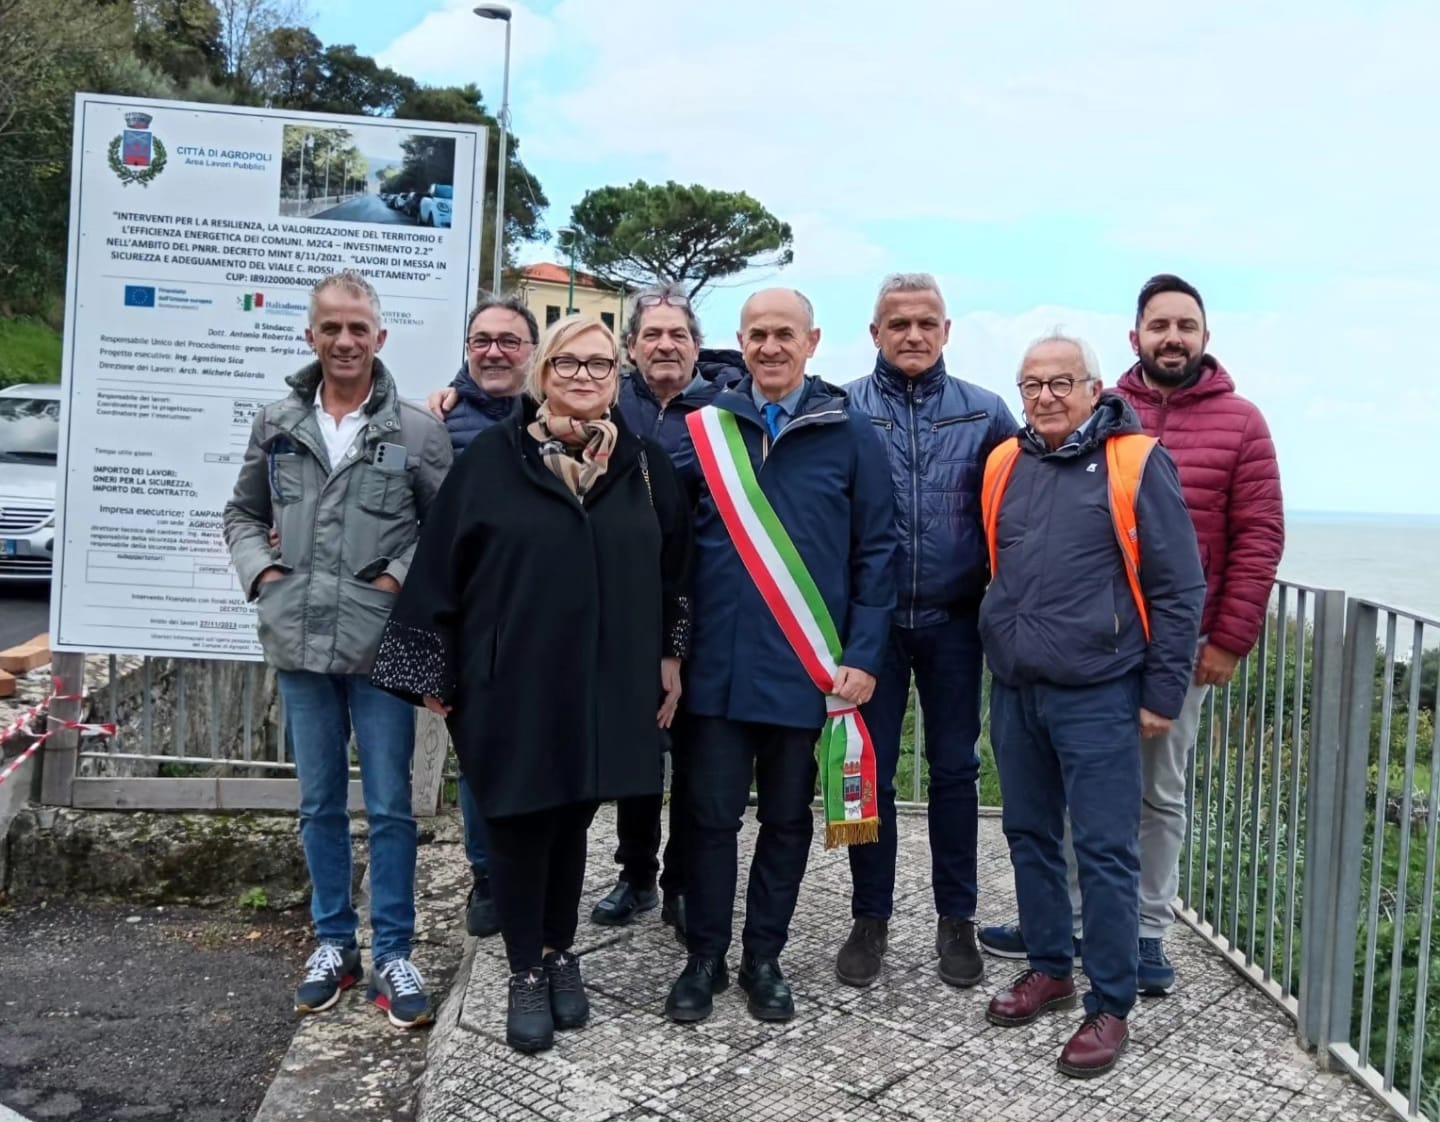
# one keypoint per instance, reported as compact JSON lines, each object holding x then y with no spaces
{"x":22,"y":727}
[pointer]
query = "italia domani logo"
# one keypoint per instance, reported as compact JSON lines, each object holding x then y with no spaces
{"x":136,"y":155}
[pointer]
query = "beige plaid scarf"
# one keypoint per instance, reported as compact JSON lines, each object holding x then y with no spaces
{"x":578,"y":452}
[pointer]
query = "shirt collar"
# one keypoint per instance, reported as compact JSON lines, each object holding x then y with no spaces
{"x":320,"y":405}
{"x":788,"y":403}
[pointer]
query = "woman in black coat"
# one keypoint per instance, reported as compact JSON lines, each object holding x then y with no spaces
{"x":545,"y":614}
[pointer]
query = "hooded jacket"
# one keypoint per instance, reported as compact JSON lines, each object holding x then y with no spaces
{"x":1231,"y":479}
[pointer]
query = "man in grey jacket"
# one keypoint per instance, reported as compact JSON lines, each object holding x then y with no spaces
{"x":321,"y":530}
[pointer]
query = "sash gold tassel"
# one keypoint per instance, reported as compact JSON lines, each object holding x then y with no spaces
{"x":863,"y":832}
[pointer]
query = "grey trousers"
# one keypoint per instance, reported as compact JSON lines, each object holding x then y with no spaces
{"x":1162,"y":820}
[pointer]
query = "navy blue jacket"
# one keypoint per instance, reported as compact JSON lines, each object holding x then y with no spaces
{"x":1060,"y":608}
{"x":826,"y":478}
{"x":665,"y":424}
{"x":475,"y":412}
{"x":937,"y":431}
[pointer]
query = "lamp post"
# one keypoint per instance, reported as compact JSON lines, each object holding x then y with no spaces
{"x":568,"y":233}
{"x":502,"y":13}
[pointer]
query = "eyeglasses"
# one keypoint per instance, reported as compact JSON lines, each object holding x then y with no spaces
{"x":654,"y":300}
{"x":596,"y":369}
{"x":507,"y":343}
{"x":1031,"y":388}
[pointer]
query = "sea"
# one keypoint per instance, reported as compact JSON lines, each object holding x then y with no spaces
{"x":1388,"y":559}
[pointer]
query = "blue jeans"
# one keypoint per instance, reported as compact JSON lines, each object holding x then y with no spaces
{"x":947,"y":661}
{"x":1059,"y":747}
{"x":476,"y":845}
{"x":320,"y":709}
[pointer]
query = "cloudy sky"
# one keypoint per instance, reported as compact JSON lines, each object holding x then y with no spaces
{"x":1042,"y":158}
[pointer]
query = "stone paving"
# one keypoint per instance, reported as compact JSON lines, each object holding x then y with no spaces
{"x":910,"y":1048}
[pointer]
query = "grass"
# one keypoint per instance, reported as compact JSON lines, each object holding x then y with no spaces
{"x":29,"y":352}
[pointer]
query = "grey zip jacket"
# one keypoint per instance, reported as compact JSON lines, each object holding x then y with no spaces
{"x":341,"y":526}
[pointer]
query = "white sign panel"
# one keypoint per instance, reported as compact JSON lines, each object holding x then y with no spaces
{"x":196,"y":233}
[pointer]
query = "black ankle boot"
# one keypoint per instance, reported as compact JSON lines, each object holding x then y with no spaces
{"x":770,"y":998}
{"x":529,"y":1024}
{"x":691,"y":996}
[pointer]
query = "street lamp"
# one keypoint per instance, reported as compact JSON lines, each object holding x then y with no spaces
{"x":569,"y":233}
{"x":502,"y":13}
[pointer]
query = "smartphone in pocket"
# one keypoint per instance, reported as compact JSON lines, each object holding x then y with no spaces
{"x":393,"y":458}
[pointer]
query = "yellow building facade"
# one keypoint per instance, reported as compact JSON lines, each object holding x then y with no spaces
{"x":545,"y":289}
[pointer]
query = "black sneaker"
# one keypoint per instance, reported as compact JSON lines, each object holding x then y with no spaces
{"x":329,"y":972}
{"x":398,"y":988}
{"x":770,"y":998}
{"x":691,"y":996}
{"x":960,"y":961}
{"x":569,"y":1006}
{"x":859,"y":960}
{"x":623,"y":904}
{"x":481,"y":919}
{"x":529,"y":1024}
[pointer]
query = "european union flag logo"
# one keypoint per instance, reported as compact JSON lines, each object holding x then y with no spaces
{"x":139,"y":296}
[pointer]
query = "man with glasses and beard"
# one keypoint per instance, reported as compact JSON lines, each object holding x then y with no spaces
{"x":1231,"y":482}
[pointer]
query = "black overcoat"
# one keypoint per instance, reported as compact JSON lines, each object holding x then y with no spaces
{"x":542,"y":620}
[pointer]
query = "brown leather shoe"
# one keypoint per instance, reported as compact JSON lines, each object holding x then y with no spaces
{"x":1095,"y":1047}
{"x":1029,"y":995}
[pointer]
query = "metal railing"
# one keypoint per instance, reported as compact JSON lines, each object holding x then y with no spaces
{"x":1311,"y":859}
{"x":1311,"y":856}
{"x":176,"y":715}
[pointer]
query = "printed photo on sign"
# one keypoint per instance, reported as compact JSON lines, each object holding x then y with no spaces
{"x":367,"y":175}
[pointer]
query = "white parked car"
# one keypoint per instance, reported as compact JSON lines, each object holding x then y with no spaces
{"x":435,"y":205}
{"x":29,"y":476}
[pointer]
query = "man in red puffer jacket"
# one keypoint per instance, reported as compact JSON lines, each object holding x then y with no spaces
{"x":1231,"y":481}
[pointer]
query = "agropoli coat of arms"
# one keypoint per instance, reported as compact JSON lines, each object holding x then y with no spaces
{"x":137,"y":155}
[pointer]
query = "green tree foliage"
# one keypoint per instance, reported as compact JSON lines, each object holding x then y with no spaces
{"x":691,"y":235}
{"x":244,"y":52}
{"x":525,"y":200}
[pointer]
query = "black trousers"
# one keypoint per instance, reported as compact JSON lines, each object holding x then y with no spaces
{"x":537,"y":871}
{"x":724,"y":755}
{"x":637,"y":826}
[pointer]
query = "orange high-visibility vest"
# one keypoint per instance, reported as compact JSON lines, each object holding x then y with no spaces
{"x":1125,"y":459}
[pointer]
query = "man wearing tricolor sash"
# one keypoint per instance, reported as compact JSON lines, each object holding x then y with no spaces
{"x":793,"y":593}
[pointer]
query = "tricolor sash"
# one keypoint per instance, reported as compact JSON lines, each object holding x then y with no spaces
{"x":847,"y":757}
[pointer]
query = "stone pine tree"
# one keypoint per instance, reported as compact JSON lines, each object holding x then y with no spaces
{"x":689,"y":235}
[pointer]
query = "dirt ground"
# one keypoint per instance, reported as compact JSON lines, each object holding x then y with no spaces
{"x":109,"y":1012}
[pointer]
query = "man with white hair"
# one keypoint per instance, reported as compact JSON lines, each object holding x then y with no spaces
{"x":936,"y":430}
{"x":1090,"y":625}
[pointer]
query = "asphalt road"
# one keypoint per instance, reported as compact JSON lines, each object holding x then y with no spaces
{"x":367,"y":208}
{"x":162,"y":1014}
{"x":24,"y":613}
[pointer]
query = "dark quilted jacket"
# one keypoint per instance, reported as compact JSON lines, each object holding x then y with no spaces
{"x":665,"y":424}
{"x":1231,"y":479}
{"x":475,"y":412}
{"x":937,"y":432}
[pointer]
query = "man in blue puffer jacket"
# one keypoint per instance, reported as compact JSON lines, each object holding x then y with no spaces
{"x":500,"y":336}
{"x":672,"y":378}
{"x":937,"y":431}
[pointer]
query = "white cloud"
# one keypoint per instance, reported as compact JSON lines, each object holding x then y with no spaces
{"x":1282,"y":147}
{"x":453,"y":46}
